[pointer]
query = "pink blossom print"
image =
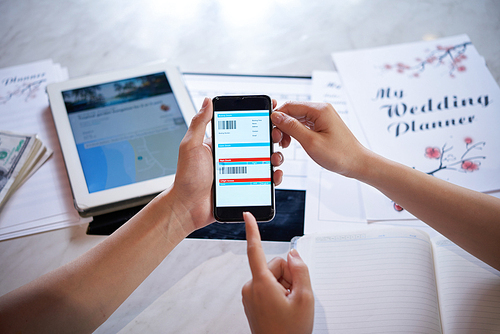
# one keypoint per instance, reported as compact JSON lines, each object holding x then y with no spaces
{"x":432,"y":152}
{"x":468,"y":162}
{"x":452,"y":57}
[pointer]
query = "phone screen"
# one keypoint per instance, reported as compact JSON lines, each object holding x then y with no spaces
{"x":242,"y":148}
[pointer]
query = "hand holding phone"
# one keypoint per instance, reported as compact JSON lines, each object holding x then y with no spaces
{"x":242,"y":149}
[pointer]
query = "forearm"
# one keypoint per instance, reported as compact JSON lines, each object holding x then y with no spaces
{"x":81,"y":295}
{"x":468,"y":218}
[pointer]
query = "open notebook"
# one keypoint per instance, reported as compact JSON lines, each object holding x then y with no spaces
{"x":398,"y":280}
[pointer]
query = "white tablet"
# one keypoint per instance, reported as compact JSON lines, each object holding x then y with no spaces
{"x":120,"y":134}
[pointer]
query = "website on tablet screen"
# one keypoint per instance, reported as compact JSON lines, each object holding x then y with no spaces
{"x":126,"y":131}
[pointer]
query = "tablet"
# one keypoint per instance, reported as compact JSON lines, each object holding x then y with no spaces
{"x":120,"y":134}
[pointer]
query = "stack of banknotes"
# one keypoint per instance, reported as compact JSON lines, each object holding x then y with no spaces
{"x":20,"y":156}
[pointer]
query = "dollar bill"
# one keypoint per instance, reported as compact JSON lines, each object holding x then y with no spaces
{"x":20,"y":156}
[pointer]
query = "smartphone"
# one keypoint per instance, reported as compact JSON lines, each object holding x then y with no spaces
{"x":242,"y":149}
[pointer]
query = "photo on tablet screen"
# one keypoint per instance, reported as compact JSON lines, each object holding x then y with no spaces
{"x":126,"y":131}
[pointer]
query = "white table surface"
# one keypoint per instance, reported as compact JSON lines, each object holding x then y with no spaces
{"x":197,"y":287}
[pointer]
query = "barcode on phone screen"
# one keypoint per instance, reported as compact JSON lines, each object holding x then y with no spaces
{"x":233,"y":170}
{"x":227,"y":125}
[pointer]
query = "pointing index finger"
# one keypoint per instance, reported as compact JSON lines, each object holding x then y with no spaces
{"x":255,"y":253}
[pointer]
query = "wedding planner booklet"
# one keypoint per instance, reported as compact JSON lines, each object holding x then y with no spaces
{"x":430,"y":105}
{"x":398,"y":280}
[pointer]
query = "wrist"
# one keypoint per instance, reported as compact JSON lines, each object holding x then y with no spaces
{"x":382,"y":173}
{"x":360,"y":165}
{"x":176,"y":221}
{"x":369,"y":167}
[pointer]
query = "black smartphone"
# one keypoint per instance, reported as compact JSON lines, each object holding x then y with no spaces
{"x":242,"y":149}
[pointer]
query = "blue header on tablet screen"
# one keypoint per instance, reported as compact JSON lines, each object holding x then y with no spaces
{"x":116,"y":92}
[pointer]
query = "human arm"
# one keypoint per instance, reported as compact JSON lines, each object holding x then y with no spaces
{"x":279,"y":298}
{"x":82,"y":294}
{"x":79,"y":296}
{"x":468,"y":218}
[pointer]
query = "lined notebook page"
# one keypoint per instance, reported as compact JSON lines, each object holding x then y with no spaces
{"x":379,"y":281}
{"x":469,"y":290}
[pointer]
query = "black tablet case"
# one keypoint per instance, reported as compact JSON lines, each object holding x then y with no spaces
{"x":287,"y":223}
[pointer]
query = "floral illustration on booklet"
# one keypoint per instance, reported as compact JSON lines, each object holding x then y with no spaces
{"x":452,"y":57}
{"x":447,"y":160}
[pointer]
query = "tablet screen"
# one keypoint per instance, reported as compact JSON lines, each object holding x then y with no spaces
{"x":126,"y":131}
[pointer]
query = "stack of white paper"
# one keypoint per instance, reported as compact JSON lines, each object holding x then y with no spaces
{"x":44,"y":201}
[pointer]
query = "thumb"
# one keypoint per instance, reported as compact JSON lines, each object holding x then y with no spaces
{"x":291,"y":126}
{"x":299,"y":271}
{"x":199,"y":122}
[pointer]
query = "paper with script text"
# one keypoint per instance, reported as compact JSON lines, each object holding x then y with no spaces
{"x":44,"y":201}
{"x":433,"y":106}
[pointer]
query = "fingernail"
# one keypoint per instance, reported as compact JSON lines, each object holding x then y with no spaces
{"x":205,"y":103}
{"x":277,"y":117}
{"x":294,"y":253}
